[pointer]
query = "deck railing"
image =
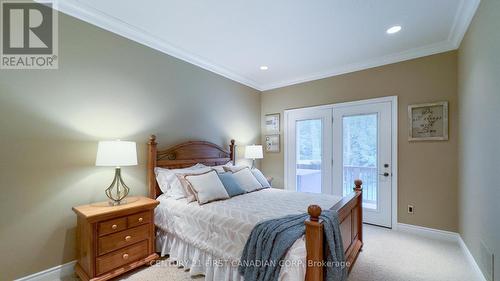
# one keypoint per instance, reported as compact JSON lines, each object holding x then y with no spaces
{"x":369,"y":177}
{"x":309,"y":180}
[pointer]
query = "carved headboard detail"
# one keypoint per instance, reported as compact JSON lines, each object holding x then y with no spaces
{"x":184,"y":155}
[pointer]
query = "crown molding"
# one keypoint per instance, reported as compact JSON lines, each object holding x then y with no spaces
{"x":463,"y":18}
{"x":380,"y":61}
{"x":107,"y":22}
{"x":75,"y":8}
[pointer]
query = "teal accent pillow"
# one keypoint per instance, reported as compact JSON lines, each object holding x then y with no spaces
{"x":261,"y":178}
{"x":231,"y":185}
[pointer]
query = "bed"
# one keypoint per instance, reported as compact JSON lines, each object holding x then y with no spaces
{"x":191,"y":231}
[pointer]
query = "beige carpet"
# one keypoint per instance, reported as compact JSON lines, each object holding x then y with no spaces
{"x":387,"y":256}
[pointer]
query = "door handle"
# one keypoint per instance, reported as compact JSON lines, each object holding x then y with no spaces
{"x":386,"y":174}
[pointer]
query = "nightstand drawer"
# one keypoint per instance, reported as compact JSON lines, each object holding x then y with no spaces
{"x":121,"y":257}
{"x":138,"y":219}
{"x":112,"y":240}
{"x":121,"y":239}
{"x":112,"y":226}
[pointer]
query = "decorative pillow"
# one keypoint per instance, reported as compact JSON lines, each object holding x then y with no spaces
{"x":231,"y":185}
{"x":247,"y":180}
{"x":161,"y":178}
{"x":220,"y":168}
{"x":207,"y":187}
{"x":234,"y":169}
{"x":261,"y":178}
{"x":190,"y":194}
{"x":170,"y":184}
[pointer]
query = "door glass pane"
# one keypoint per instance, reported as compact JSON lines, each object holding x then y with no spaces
{"x":308,"y":169}
{"x":360,"y":156}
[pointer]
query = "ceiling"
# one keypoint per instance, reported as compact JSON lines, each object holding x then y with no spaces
{"x":299,"y":40}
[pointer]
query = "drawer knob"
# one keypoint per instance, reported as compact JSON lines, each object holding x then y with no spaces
{"x":114,"y":226}
{"x":128,"y":237}
{"x":141,"y":219}
{"x":125,"y":256}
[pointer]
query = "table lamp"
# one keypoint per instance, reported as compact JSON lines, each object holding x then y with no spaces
{"x":253,"y":152}
{"x":116,"y":154}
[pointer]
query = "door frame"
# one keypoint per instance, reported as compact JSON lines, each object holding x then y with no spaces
{"x":394,"y":144}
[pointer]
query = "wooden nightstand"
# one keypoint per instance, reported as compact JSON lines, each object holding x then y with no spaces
{"x":112,"y":240}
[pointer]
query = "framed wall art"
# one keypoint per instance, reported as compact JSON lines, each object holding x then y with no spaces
{"x":428,"y":122}
{"x":273,"y":143}
{"x":272,"y":124}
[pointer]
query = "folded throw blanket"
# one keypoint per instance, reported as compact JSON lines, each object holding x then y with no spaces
{"x":270,"y":240}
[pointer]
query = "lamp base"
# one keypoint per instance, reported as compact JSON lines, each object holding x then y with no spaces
{"x":118,"y":190}
{"x":117,"y":203}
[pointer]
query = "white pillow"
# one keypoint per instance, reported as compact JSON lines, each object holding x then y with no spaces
{"x":247,"y":180}
{"x":170,"y":184}
{"x":190,"y":194}
{"x":207,"y":187}
{"x":261,"y":178}
{"x":220,"y":168}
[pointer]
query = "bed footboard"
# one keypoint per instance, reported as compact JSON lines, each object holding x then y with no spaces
{"x":350,"y":213}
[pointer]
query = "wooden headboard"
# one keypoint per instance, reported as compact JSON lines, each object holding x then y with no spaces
{"x":182,"y":156}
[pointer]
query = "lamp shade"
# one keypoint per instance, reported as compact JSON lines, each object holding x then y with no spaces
{"x":253,"y":152}
{"x":116,"y":153}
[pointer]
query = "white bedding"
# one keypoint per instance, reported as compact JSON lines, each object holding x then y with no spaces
{"x":220,"y":229}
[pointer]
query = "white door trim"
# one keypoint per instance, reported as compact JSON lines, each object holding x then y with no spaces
{"x":394,"y":138}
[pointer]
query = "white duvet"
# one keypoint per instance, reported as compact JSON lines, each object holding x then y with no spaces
{"x":222,"y":228}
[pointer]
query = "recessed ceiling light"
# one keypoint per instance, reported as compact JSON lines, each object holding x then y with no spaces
{"x":264,"y":67}
{"x":394,"y":29}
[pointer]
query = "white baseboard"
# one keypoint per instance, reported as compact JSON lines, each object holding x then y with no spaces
{"x":65,"y":270}
{"x":428,"y":232}
{"x":447,"y":236}
{"x":51,"y":274}
{"x":471,"y":260}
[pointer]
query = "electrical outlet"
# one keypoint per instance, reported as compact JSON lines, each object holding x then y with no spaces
{"x":487,"y":261}
{"x":411,"y":209}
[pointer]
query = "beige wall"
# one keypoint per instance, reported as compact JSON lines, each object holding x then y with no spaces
{"x":109,"y":87}
{"x":479,"y":122}
{"x":427,"y":170}
{"x":106,"y":87}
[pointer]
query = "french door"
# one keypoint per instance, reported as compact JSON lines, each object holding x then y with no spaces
{"x":328,"y":147}
{"x":309,"y":163}
{"x":362,"y":150}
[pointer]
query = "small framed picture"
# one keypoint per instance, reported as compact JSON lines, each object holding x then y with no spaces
{"x":272,"y":123}
{"x":428,"y":122}
{"x":273,"y":143}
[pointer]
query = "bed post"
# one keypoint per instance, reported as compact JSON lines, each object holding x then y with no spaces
{"x":355,"y":223}
{"x":350,"y":212}
{"x":358,"y":188}
{"x":232,"y":152}
{"x":314,"y":244}
{"x":151,"y":166}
